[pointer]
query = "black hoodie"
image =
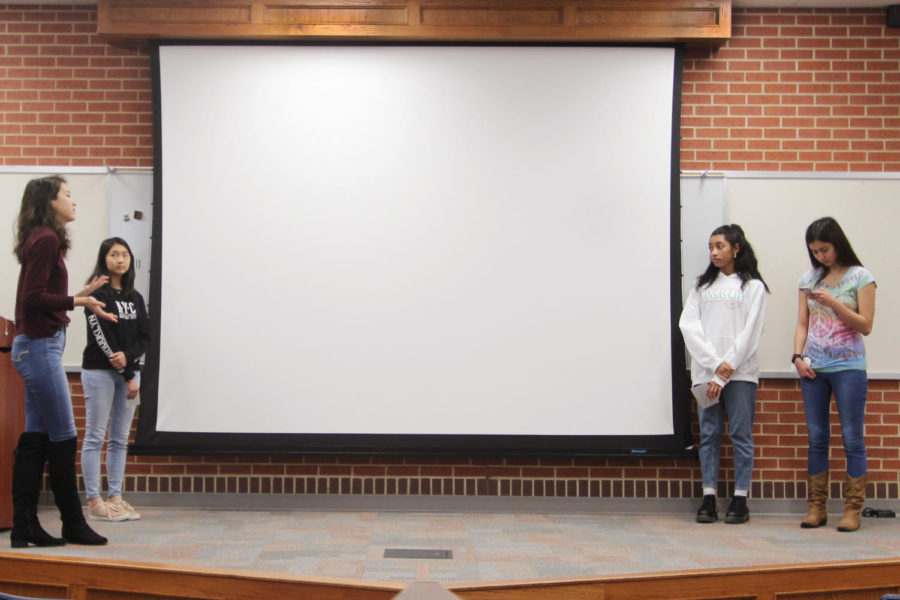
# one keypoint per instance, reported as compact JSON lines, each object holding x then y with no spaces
{"x":130,"y":335}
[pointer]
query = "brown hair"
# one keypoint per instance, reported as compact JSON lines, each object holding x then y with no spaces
{"x":36,"y":211}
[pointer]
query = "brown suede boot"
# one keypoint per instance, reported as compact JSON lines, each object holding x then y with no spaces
{"x":854,"y":498}
{"x":817,"y":496}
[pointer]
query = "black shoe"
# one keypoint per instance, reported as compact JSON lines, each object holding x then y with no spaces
{"x":80,"y":532}
{"x":708,"y":512}
{"x":737,"y":511}
{"x":32,"y":533}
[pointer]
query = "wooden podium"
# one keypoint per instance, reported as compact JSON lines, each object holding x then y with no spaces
{"x":12,"y":418}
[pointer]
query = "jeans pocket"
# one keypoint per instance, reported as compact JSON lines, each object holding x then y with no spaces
{"x":17,"y":358}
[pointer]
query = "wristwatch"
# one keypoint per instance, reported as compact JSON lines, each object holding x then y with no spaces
{"x":795,"y":357}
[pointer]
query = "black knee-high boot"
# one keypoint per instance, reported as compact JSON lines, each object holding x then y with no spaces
{"x":28,"y":471}
{"x":61,"y":466}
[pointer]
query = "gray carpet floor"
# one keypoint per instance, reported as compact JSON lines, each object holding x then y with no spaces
{"x":485,"y":546}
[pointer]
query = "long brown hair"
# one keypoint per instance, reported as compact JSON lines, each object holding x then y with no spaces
{"x":37,"y":212}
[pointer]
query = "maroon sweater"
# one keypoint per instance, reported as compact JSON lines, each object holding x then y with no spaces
{"x":42,"y":296}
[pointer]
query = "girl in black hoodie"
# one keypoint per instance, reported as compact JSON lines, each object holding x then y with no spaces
{"x":110,"y":375}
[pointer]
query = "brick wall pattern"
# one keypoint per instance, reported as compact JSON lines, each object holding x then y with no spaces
{"x":806,"y":90}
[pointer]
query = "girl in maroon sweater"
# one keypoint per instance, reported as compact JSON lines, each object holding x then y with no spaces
{"x":42,"y":300}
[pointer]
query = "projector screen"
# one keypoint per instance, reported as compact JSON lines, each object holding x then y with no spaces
{"x":389,"y":248}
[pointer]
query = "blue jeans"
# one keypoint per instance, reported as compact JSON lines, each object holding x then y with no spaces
{"x":738,"y":399}
{"x":48,"y":404}
{"x":849,"y":389}
{"x":105,"y":404}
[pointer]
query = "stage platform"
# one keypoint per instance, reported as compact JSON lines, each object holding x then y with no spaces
{"x":486,"y":546}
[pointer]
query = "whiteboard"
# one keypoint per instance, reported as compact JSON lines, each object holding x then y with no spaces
{"x":97,"y":192}
{"x":775,"y":211}
{"x":90,"y":227}
{"x":702,"y":210}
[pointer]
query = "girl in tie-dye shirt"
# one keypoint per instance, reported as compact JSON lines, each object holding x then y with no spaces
{"x":831,"y":344}
{"x":836,"y":309}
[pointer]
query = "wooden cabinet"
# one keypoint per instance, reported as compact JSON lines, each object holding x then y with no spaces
{"x":12,"y":418}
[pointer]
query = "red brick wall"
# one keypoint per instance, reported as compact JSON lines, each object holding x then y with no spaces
{"x":68,"y":99}
{"x":793,"y":90}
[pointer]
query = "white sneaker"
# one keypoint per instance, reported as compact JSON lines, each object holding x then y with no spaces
{"x":133,"y":515}
{"x":105,"y":511}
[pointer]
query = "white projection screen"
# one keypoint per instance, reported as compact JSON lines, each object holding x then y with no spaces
{"x":415,"y":248}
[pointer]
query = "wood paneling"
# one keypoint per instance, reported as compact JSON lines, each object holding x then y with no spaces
{"x":204,"y":14}
{"x":91,"y":579}
{"x":312,"y":15}
{"x":419,"y":20}
{"x":454,"y":16}
{"x":854,"y":580}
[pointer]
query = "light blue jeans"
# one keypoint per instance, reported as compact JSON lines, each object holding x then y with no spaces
{"x":105,"y":405}
{"x":48,"y":404}
{"x":849,"y":389}
{"x":738,"y":399}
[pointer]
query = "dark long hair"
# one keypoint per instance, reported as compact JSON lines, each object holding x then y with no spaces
{"x":36,"y":211}
{"x":745,"y":264}
{"x":100,"y":267}
{"x":827,"y":230}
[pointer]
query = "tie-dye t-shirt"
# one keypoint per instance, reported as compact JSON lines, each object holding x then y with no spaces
{"x":831,"y":344}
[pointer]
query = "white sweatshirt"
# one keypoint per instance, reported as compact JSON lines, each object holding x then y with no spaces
{"x":723,"y":323}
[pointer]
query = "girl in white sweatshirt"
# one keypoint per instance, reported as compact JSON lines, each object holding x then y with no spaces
{"x":721,"y":323}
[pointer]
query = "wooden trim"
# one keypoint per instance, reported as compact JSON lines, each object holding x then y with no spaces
{"x":90,"y":579}
{"x":76,"y":578}
{"x":856,"y":580}
{"x":647,"y":21}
